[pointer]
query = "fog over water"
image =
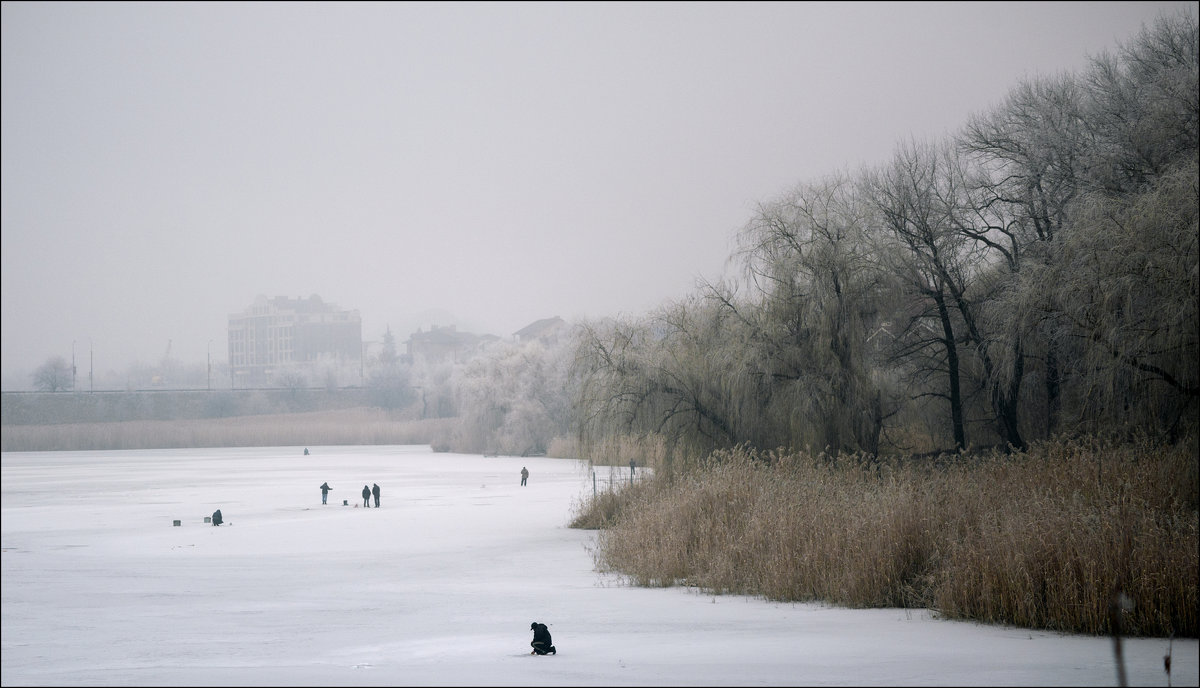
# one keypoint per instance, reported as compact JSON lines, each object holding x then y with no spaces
{"x":482,"y":165}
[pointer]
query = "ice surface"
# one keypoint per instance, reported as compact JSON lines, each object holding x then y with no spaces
{"x":437,"y":587}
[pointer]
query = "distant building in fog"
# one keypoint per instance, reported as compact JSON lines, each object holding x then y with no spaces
{"x":278,"y":341}
{"x":443,"y":344}
{"x":449,"y":345}
{"x":546,"y":329}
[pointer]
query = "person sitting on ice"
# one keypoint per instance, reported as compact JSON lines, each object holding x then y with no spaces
{"x":541,"y":640}
{"x":216,"y":519}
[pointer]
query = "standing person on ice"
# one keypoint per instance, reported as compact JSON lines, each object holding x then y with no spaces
{"x":541,"y":640}
{"x":325,"y":488}
{"x":366,"y":496}
{"x":375,"y":493}
{"x":524,"y":475}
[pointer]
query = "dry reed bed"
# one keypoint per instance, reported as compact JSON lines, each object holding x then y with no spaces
{"x":359,"y":426}
{"x":1040,"y":539}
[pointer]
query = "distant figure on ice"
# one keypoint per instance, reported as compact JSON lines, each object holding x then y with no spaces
{"x":366,"y":496}
{"x":541,"y":640}
{"x":325,"y":488}
{"x":217,"y":518}
{"x":375,"y":493}
{"x":524,"y":475}
{"x":306,"y":451}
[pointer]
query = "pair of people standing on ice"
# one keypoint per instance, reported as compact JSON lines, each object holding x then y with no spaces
{"x":368,"y":492}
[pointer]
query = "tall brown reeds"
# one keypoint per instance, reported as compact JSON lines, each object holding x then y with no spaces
{"x":1041,"y":539}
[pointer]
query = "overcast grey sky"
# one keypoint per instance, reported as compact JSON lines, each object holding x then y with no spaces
{"x":165,"y":163}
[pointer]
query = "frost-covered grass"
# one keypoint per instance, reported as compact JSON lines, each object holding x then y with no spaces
{"x":1041,"y":539}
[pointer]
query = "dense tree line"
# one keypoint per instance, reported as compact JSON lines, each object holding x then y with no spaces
{"x":1033,"y":275}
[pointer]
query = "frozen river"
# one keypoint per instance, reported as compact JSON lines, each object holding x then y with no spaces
{"x":436,"y":587}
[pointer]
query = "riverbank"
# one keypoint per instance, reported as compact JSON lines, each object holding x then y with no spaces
{"x":1046,"y":539}
{"x":349,"y":426}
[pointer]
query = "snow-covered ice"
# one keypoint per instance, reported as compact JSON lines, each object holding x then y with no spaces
{"x":437,"y":587}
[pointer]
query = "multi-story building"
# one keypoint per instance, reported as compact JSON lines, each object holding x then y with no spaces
{"x":276,"y":341}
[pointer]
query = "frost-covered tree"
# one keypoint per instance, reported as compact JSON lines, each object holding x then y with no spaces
{"x":816,"y":292}
{"x":914,"y":196}
{"x":1029,"y":156}
{"x":1109,"y":172}
{"x":514,"y":398}
{"x":55,"y":375}
{"x":684,"y":374}
{"x":1126,"y":285}
{"x":1142,"y":105}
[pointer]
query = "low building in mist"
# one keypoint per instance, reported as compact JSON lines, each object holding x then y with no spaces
{"x":295,"y":342}
{"x":448,"y":344}
{"x":546,"y":330}
{"x":443,"y":345}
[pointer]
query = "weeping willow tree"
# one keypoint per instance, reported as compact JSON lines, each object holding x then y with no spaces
{"x":682,"y":375}
{"x":1126,"y":284}
{"x":815,"y":303}
{"x":1133,"y":298}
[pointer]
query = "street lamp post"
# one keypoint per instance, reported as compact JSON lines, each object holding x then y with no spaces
{"x":91,"y":368}
{"x":210,"y":365}
{"x":72,"y":365}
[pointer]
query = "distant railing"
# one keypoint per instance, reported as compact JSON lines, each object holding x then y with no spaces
{"x":612,"y":477}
